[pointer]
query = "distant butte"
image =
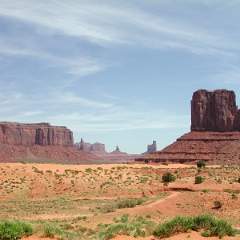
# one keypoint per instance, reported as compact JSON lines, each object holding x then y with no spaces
{"x":39,"y":142}
{"x":98,"y":149}
{"x":34,"y":134}
{"x":214,"y":135}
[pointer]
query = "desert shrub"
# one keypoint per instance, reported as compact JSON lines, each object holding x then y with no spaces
{"x":66,"y":231}
{"x":49,"y":231}
{"x":130,"y":203}
{"x":201,"y":164}
{"x":211,"y":226}
{"x":12,"y":230}
{"x":36,"y":170}
{"x":238,"y":180}
{"x":108,"y":208}
{"x":88,"y":170}
{"x":168,"y":177}
{"x":217,"y":205}
{"x":137,"y":227}
{"x":123,"y":203}
{"x":199,"y":179}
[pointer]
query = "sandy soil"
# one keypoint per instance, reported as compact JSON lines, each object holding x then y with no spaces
{"x":80,"y":195}
{"x":182,"y":236}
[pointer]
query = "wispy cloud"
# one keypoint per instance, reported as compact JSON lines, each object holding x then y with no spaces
{"x":16,"y":104}
{"x":77,"y":66}
{"x":72,"y":99}
{"x":111,"y":23}
{"x":121,"y":119}
{"x":100,"y":116}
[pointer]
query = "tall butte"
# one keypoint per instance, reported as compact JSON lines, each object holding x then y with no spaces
{"x":214,"y":111}
{"x":214,"y":135}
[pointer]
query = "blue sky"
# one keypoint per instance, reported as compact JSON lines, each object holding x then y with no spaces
{"x":118,"y":72}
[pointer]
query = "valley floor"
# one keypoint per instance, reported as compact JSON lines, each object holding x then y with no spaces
{"x":74,"y":201}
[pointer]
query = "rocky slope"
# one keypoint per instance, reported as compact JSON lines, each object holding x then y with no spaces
{"x":214,"y":136}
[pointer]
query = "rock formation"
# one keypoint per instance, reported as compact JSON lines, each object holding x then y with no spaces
{"x":98,"y":149}
{"x":117,"y":150}
{"x":34,"y":134}
{"x":152,"y":147}
{"x":215,"y":132}
{"x":88,"y":147}
{"x":39,"y":142}
{"x":214,"y":111}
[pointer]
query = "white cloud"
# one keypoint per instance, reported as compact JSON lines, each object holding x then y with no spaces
{"x":109,"y":22}
{"x":73,"y":99}
{"x":70,"y":110}
{"x":76,"y":66}
{"x":120,"y":119}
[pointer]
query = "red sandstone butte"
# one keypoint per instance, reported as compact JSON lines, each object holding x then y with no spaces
{"x":31,"y":134}
{"x":214,"y":136}
{"x":39,"y":142}
{"x":214,"y":111}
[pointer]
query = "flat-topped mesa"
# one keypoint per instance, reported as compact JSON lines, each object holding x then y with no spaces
{"x":214,"y":111}
{"x":34,"y":134}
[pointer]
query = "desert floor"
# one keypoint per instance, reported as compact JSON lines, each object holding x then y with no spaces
{"x":80,"y":198}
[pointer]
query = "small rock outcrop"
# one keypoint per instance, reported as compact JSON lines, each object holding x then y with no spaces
{"x":88,"y":147}
{"x":152,"y":147}
{"x":34,"y":134}
{"x":214,"y":111}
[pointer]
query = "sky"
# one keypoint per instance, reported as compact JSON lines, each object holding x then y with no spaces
{"x":115,"y":71}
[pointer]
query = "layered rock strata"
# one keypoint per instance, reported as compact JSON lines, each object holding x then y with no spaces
{"x":34,"y":134}
{"x":214,"y":111}
{"x":215,"y":132}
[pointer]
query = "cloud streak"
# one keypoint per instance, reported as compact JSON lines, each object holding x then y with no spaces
{"x":76,"y":66}
{"x":111,"y":23}
{"x":69,"y":109}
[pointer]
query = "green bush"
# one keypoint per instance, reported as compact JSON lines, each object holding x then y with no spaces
{"x":12,"y":230}
{"x":199,"y":179}
{"x":137,"y":227}
{"x":49,"y":231}
{"x":66,"y":231}
{"x":168,"y":177}
{"x":211,"y":226}
{"x":129,"y":203}
{"x":201,"y":164}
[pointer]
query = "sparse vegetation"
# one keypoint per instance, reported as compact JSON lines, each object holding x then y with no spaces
{"x":211,"y":226}
{"x":13,"y":230}
{"x":123,"y":203}
{"x":168,"y":177}
{"x":199,"y":179}
{"x":130,"y":203}
{"x":136,"y":227}
{"x":201,"y":164}
{"x":76,"y":199}
{"x":49,"y":231}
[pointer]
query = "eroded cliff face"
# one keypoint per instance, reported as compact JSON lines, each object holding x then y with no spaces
{"x":34,"y":134}
{"x":214,"y":111}
{"x":215,"y":132}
